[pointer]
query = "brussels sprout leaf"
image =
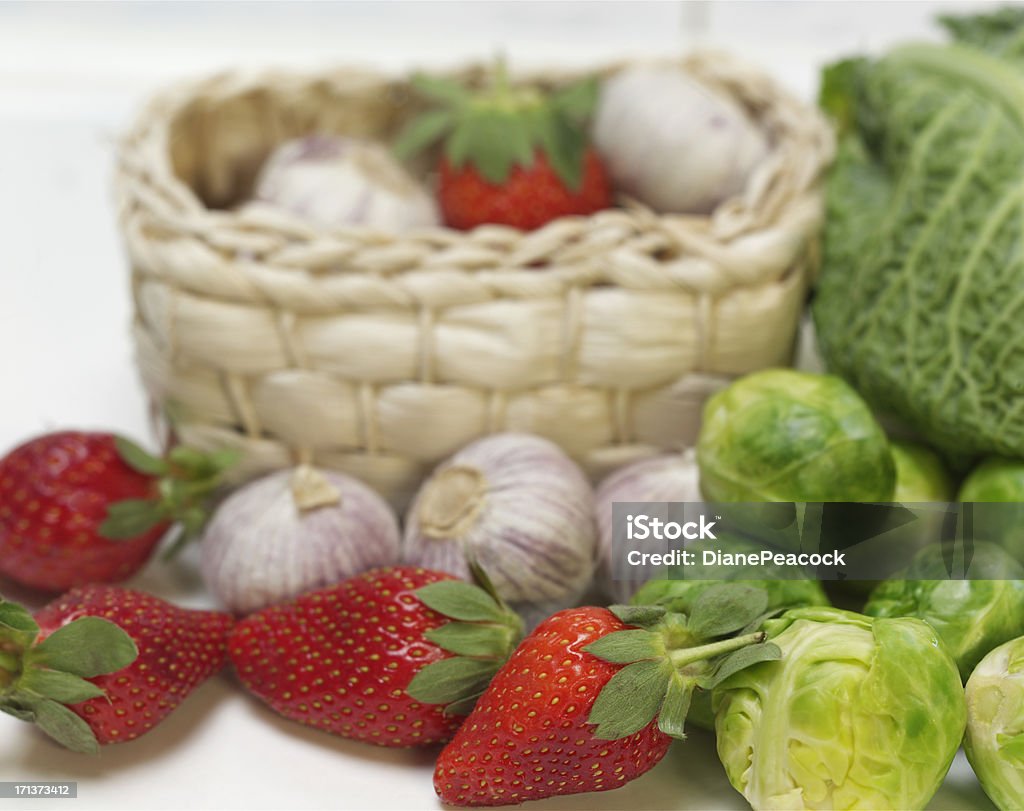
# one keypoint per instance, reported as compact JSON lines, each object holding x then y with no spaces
{"x":1011,"y":746}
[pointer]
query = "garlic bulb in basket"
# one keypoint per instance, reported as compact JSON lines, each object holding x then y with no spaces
{"x":673,"y":143}
{"x":519,"y":507}
{"x":334,"y":182}
{"x":672,"y":477}
{"x":291,"y":532}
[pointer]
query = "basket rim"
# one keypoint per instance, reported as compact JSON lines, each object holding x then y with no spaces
{"x":188,"y":214}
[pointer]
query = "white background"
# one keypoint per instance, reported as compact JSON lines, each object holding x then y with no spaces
{"x":71,"y":76}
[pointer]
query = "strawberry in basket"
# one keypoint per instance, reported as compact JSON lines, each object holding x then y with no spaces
{"x":512,"y":155}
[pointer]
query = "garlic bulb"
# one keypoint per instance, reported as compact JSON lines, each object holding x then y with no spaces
{"x":519,"y":507}
{"x":334,"y":182}
{"x":672,"y":477}
{"x":673,"y":143}
{"x":291,"y":532}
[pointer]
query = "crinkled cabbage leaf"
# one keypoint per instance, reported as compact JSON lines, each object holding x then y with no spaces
{"x":920,"y":304}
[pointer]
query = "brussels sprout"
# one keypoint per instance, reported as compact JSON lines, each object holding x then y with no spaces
{"x":995,"y":479}
{"x":998,"y":480}
{"x":995,"y":724}
{"x":920,"y":474}
{"x":859,"y":713}
{"x":783,"y":435}
{"x":680,"y":595}
{"x":972,"y":616}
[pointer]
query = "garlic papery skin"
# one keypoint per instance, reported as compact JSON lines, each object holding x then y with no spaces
{"x":519,"y":507}
{"x":335,"y":182}
{"x":671,"y":477}
{"x":673,"y":143}
{"x":291,"y":532}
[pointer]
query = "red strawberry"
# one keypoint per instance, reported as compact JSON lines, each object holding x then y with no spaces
{"x":529,"y":737}
{"x":588,"y":703}
{"x":527,"y":198}
{"x":345,"y":659}
{"x":104,"y":665}
{"x":79,"y":508}
{"x":513,"y":156}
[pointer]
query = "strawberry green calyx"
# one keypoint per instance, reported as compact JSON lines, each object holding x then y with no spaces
{"x":504,"y":126}
{"x":39,"y":679}
{"x":483,"y":633}
{"x":186,"y":479}
{"x":669,"y":655}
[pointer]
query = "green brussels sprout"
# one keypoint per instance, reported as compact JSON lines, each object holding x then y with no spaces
{"x":972,"y":616}
{"x":784,"y":435}
{"x":859,"y":713}
{"x":920,"y":474}
{"x":680,"y":594}
{"x":995,"y":479}
{"x":998,"y":480}
{"x":995,"y":724}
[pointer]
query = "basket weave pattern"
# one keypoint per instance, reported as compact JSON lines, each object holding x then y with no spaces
{"x":381,"y":354}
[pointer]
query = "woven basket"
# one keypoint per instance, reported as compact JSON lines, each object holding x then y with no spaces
{"x":381,"y":354}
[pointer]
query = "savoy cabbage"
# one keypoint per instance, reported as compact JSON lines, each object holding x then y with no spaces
{"x":920,"y":304}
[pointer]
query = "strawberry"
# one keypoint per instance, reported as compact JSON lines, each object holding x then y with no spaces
{"x":103,"y":664}
{"x":593,"y":697}
{"x":529,"y":196}
{"x":513,"y":155}
{"x":80,"y":507}
{"x":375,"y":658}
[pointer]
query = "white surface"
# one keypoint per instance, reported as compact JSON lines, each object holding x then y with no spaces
{"x":70,"y":77}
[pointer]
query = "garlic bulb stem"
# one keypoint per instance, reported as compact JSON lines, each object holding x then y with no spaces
{"x":451,"y":501}
{"x":311,"y":489}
